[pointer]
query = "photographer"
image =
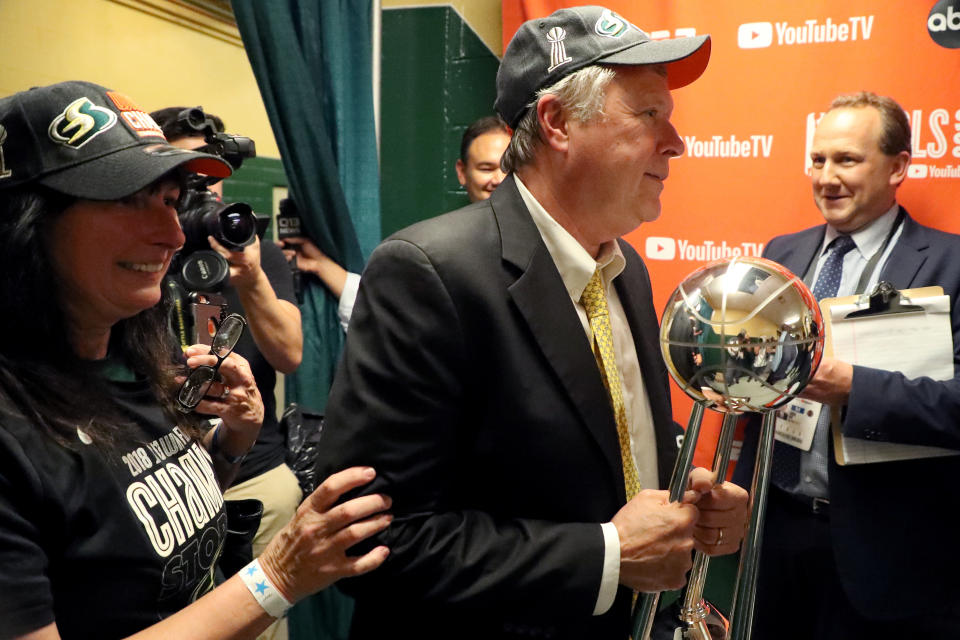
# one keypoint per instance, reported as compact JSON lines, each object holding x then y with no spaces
{"x":111,"y":515}
{"x":260,"y":287}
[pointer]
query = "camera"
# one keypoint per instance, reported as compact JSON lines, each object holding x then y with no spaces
{"x":202,"y":213}
{"x":198,"y":274}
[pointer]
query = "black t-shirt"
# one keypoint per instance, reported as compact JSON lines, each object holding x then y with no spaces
{"x":105,"y":541}
{"x":270,"y":448}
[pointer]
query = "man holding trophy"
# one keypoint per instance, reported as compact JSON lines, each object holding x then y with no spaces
{"x":503,"y":374}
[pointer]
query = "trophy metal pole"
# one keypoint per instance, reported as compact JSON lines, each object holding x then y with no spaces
{"x":646,"y":606}
{"x":741,"y":611}
{"x":695,"y":610}
{"x":744,"y":334}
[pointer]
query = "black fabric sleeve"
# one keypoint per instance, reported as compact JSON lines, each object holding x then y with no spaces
{"x":399,"y":404}
{"x":277,"y":269}
{"x":26,"y":601}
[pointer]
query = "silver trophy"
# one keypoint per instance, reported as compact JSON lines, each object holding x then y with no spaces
{"x":737,"y":335}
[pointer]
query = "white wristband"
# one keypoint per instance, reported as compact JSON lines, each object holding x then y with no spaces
{"x":263,"y":590}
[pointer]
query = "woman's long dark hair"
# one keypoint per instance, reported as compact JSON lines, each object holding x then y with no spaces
{"x":41,"y":378}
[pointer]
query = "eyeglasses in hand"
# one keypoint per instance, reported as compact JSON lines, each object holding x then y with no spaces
{"x":198,"y":381}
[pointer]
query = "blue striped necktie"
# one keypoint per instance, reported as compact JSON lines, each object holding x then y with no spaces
{"x":786,"y":458}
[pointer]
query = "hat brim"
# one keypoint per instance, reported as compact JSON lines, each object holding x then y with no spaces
{"x":685,"y":58}
{"x":124,"y":172}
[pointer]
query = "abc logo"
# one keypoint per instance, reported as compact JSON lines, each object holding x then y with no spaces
{"x":943,"y":23}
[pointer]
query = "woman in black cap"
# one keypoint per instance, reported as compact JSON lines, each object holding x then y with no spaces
{"x":111,"y":513}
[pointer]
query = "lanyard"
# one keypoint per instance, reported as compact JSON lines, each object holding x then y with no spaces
{"x":871,"y":264}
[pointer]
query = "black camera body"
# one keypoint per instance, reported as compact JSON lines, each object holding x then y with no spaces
{"x":202,"y":213}
{"x":197,"y":273}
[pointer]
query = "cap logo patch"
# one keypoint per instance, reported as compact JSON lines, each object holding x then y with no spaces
{"x":558,"y":52}
{"x":135,"y":117}
{"x":80,"y":122}
{"x":4,"y":172}
{"x":610,"y":25}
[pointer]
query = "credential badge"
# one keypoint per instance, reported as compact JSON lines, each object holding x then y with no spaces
{"x":610,"y":25}
{"x":4,"y":172}
{"x":80,"y":122}
{"x":558,"y":52}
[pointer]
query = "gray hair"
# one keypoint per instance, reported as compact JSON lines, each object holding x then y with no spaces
{"x":581,"y":94}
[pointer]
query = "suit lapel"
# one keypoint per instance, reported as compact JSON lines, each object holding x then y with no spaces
{"x":907,"y":255}
{"x":802,"y":252}
{"x":543,"y":301}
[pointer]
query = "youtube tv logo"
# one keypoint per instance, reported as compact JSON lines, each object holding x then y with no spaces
{"x":661,"y":248}
{"x":755,"y":35}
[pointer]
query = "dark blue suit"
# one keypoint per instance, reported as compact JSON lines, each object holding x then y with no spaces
{"x":895,"y":557}
{"x":469,"y":384}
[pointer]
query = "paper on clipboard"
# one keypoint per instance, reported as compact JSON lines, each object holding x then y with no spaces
{"x":914,"y":344}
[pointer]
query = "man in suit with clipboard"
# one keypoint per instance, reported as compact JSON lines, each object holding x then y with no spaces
{"x":510,"y":446}
{"x":861,"y":551}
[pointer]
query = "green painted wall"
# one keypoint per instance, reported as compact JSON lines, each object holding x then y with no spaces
{"x":437,"y":78}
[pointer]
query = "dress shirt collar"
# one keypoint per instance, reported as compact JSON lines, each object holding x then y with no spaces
{"x":869,"y":238}
{"x":575,"y":264}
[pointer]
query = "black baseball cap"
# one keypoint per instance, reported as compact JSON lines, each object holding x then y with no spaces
{"x":87,"y":141}
{"x":544,"y":50}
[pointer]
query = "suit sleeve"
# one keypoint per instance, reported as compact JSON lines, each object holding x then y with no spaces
{"x":886,"y":406}
{"x":400,"y":403}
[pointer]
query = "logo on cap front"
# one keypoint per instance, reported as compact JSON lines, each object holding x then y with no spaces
{"x":558,"y":52}
{"x":136,"y":118}
{"x":80,"y":122}
{"x":610,"y":25}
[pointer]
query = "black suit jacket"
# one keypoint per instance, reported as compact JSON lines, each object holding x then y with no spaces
{"x":894,"y":554}
{"x":468,"y":383}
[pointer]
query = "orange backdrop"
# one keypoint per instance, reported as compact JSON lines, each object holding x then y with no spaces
{"x":747,"y":121}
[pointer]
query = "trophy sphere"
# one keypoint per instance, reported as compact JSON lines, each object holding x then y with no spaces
{"x":745,"y":334}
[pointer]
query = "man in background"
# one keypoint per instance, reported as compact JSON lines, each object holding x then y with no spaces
{"x":482,"y":146}
{"x":860,"y":551}
{"x":260,"y":288}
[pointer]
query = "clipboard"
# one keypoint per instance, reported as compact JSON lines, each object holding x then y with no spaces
{"x":886,"y":305}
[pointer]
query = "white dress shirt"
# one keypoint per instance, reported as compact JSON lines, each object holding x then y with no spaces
{"x":867,"y":240}
{"x":576,"y":267}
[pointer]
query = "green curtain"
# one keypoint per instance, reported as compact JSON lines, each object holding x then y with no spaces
{"x":312,"y":61}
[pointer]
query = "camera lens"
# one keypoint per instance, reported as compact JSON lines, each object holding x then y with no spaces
{"x":205,"y":270}
{"x":202,"y":214}
{"x":238,"y":225}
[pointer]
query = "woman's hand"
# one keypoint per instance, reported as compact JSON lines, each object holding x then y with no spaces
{"x":234,"y":398}
{"x":310,"y":553}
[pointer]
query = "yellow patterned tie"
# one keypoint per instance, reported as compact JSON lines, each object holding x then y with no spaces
{"x":594,"y":300}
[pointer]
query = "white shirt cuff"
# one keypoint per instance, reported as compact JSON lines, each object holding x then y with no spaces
{"x":347,"y":298}
{"x":610,"y":578}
